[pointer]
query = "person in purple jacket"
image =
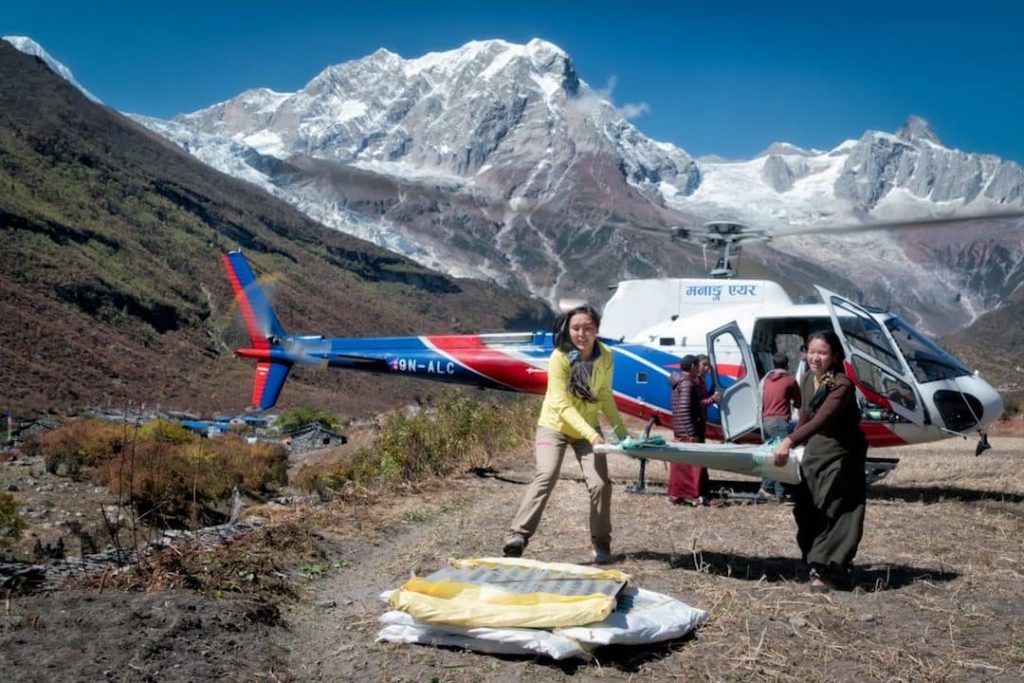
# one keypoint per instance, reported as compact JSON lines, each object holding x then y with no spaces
{"x":689,"y":484}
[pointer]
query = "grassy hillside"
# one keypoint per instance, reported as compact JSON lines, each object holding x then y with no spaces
{"x":111,"y":286}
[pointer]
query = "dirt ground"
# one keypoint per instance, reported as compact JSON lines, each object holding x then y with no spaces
{"x":940,"y":596}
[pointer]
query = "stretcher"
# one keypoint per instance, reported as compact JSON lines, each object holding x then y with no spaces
{"x":755,"y":460}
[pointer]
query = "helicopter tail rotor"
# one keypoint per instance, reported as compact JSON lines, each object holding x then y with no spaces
{"x":266,"y":335}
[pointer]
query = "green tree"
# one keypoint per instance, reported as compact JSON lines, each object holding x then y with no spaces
{"x":11,"y":523}
{"x":301,"y":416}
{"x":162,"y":431}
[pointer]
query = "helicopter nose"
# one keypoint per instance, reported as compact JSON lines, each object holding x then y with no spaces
{"x":971,"y":403}
{"x":991,"y":402}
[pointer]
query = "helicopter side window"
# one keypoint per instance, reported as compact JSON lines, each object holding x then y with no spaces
{"x":866,"y":335}
{"x":881,"y":382}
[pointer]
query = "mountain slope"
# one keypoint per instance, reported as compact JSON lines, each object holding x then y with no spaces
{"x":111,"y":287}
{"x":994,"y":346}
{"x":497,"y":161}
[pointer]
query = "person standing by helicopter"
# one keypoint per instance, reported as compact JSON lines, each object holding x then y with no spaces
{"x":829,"y":502}
{"x":780,"y":394}
{"x":691,"y":397}
{"x":579,"y":384}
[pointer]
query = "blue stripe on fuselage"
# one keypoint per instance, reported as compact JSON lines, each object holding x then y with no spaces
{"x":657,"y":365}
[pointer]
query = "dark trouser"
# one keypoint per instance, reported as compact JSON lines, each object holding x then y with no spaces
{"x":829,"y":514}
{"x":774,"y":426}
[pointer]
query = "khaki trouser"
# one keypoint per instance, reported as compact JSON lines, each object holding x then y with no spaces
{"x":549,"y":449}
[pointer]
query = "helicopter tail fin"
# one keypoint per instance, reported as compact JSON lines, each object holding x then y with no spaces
{"x":265,"y":332}
{"x":267,"y":383}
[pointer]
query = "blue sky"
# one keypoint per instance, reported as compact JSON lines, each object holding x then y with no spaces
{"x":725,"y":78}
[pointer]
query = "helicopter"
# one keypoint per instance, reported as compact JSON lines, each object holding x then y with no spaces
{"x":909,"y":389}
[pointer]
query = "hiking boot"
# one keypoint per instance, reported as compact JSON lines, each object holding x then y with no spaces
{"x":602,"y":553}
{"x":827,"y":579}
{"x":515,"y":544}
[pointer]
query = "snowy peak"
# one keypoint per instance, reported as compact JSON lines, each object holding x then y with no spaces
{"x":31,"y":47}
{"x":483,"y":60}
{"x":911,"y":166}
{"x":488,"y":111}
{"x":915,"y":128}
{"x":488,"y":58}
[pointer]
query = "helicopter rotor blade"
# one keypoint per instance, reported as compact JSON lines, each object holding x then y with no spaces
{"x":894,"y":225}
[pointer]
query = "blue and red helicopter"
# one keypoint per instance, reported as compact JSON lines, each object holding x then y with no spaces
{"x":910,"y":390}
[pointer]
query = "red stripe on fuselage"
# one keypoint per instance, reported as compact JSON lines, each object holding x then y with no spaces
{"x":736,"y":372}
{"x":880,"y":436}
{"x":255,"y":335}
{"x":494,"y":364}
{"x":643,"y":410}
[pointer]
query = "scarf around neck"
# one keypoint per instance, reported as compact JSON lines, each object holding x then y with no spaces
{"x":579,"y":377}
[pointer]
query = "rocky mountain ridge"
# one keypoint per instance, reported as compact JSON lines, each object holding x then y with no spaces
{"x":497,"y":161}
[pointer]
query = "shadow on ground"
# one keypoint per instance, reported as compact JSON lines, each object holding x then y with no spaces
{"x":624,"y":658}
{"x":938,"y":494}
{"x":789,"y":570}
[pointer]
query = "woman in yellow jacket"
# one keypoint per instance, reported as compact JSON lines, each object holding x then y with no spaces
{"x":579,"y":383}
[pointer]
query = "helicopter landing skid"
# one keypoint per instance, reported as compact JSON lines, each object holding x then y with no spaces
{"x":639,"y":487}
{"x":877,"y":469}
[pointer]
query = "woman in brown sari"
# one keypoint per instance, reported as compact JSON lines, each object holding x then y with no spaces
{"x":829,"y":502}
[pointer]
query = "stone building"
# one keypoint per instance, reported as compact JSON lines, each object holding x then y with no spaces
{"x":313,"y":437}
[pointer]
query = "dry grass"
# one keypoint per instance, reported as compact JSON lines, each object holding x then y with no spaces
{"x":940,"y":593}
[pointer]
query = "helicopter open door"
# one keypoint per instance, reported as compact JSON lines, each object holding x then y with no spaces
{"x":733,"y":372}
{"x":880,"y":370}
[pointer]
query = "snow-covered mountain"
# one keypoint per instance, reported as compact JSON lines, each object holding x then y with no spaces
{"x":941,"y":278}
{"x":495,"y":160}
{"x":469,"y":113}
{"x":31,"y":47}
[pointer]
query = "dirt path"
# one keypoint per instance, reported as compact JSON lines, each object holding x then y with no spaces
{"x":333,"y":632}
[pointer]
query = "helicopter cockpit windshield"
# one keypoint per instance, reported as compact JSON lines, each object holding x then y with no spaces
{"x":927,"y":361}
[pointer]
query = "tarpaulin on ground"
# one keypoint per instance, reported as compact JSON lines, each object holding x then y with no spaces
{"x":641,"y":617}
{"x":511,"y":592}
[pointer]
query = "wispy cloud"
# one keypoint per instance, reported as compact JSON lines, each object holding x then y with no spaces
{"x":630,"y":110}
{"x":633,"y":110}
{"x":598,"y":97}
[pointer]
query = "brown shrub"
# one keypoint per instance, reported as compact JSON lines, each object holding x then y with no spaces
{"x":81,"y":443}
{"x":175,"y":482}
{"x":325,"y":477}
